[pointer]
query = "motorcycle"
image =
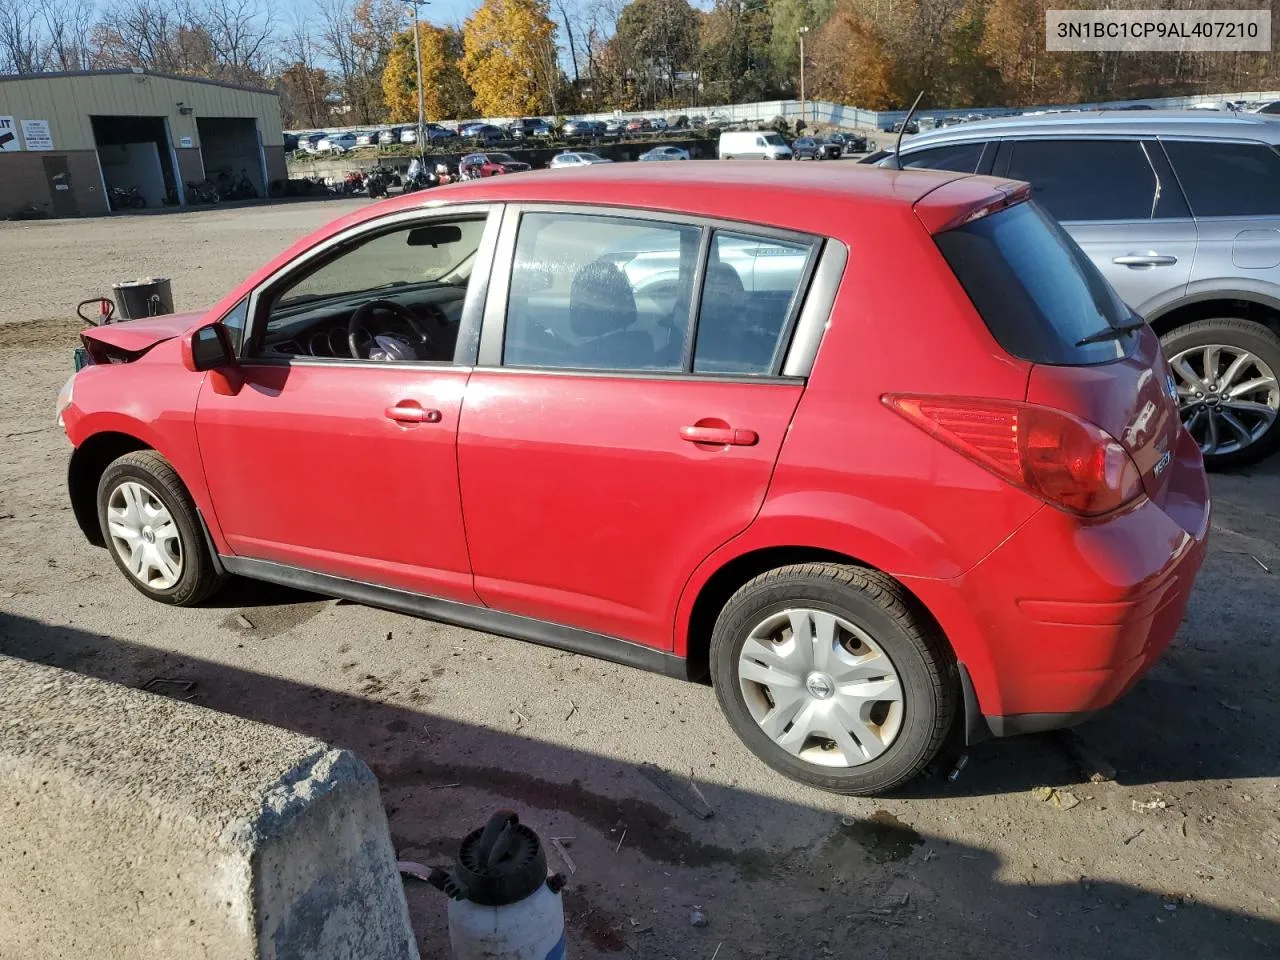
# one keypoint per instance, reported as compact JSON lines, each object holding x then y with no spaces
{"x":125,"y":198}
{"x":379,"y":181}
{"x":202,"y":192}
{"x":353,"y":182}
{"x":420,"y":178}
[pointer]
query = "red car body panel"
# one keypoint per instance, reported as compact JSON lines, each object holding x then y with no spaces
{"x":574,"y":499}
{"x":300,"y":473}
{"x":595,"y":473}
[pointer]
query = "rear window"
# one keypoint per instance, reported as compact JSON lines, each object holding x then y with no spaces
{"x":1037,"y":292}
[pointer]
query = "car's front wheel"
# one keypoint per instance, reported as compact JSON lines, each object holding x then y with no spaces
{"x":1228,"y":382}
{"x":830,"y":677}
{"x":153,"y":531}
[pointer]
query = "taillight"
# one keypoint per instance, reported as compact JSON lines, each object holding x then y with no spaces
{"x":1065,"y":461}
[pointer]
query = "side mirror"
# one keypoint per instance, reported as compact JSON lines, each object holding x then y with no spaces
{"x":207,"y":348}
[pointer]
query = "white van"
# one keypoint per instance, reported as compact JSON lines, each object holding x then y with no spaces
{"x":753,"y":145}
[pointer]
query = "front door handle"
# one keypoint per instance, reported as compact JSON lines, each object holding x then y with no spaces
{"x":719,"y":436}
{"x":410,"y":411}
{"x":1146,"y":260}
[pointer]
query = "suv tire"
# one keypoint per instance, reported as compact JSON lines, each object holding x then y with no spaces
{"x":885,"y":684}
{"x":153,"y":531}
{"x":1236,"y":338}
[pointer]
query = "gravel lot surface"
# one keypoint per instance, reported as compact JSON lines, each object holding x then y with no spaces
{"x":1177,"y":857}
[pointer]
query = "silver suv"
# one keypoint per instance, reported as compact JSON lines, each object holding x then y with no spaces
{"x":1181,"y":212}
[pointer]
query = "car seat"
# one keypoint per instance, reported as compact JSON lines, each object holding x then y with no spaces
{"x":602,"y":308}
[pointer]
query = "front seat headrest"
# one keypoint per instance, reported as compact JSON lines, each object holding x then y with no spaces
{"x":600,"y":300}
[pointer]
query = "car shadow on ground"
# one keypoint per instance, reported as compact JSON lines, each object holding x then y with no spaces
{"x":871,"y":883}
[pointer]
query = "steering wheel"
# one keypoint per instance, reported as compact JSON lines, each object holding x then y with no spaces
{"x":402,"y":313}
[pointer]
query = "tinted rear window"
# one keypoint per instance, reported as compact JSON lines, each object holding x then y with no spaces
{"x":1037,"y":292}
{"x":1228,"y":179}
{"x":960,"y":157}
{"x":1088,"y":179}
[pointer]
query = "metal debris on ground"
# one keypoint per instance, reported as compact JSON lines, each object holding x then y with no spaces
{"x":573,"y":708}
{"x":620,"y":839}
{"x":182,"y":685}
{"x":244,"y":621}
{"x":1156,"y":804}
{"x":1264,"y":567}
{"x":677,"y":791}
{"x":557,"y":844}
{"x":441,"y":786}
{"x":961,"y":763}
{"x":698,"y":918}
{"x":520,"y":717}
{"x":416,"y":870}
{"x":717,"y":953}
{"x":1134,"y":836}
{"x":1094,"y":766}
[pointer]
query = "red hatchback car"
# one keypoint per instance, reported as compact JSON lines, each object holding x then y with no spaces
{"x":871,"y":489}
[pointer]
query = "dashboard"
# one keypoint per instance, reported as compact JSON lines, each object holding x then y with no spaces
{"x":319,"y":328}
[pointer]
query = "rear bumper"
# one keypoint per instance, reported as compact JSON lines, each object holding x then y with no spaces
{"x":1064,"y":617}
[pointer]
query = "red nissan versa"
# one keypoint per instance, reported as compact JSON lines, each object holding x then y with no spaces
{"x":686,"y":417}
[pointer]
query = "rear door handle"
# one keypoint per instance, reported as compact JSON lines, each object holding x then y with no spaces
{"x":1146,"y":260}
{"x":410,"y":411}
{"x":721,"y":436}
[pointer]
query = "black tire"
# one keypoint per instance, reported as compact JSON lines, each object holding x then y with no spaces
{"x":198,"y":579}
{"x":1241,"y":335}
{"x":877,"y":604}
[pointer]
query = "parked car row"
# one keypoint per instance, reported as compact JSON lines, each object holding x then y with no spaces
{"x":522,"y":129}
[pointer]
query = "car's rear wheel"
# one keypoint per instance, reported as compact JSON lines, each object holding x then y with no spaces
{"x":153,"y":532}
{"x":1227,"y":375}
{"x":829,"y":676}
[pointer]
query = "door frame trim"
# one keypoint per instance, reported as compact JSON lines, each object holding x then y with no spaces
{"x":485,"y":619}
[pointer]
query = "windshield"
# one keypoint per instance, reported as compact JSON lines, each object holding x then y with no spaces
{"x":1037,"y":292}
{"x":775,"y":139}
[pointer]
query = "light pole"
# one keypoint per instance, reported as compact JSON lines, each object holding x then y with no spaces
{"x":422,"y":108}
{"x":804,"y":107}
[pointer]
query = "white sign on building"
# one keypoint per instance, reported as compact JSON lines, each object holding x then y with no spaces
{"x":37,"y":135}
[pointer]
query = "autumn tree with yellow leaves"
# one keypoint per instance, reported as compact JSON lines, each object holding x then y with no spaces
{"x":510,"y":58}
{"x":446,"y":95}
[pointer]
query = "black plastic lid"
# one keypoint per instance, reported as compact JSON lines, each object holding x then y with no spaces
{"x":501,"y":863}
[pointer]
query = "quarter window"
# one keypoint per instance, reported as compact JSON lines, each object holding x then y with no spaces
{"x":1088,"y":179}
{"x":748,"y":297}
{"x":1227,"y":179}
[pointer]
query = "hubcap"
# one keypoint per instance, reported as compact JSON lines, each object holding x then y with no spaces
{"x":821,"y":688}
{"x":144,"y":535}
{"x":1227,"y":397}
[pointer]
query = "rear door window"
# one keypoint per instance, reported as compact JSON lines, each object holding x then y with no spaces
{"x":1037,"y":292}
{"x":960,"y":157}
{"x":1088,"y":179}
{"x":600,"y":293}
{"x":1227,"y":179}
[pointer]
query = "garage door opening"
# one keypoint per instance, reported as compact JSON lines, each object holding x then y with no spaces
{"x":232,"y":154}
{"x":135,"y":154}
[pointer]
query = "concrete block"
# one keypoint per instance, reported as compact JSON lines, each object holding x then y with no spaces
{"x":134,"y":826}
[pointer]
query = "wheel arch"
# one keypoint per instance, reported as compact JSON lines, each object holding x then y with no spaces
{"x":733,"y":573}
{"x":1241,"y":305}
{"x":88,"y":462}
